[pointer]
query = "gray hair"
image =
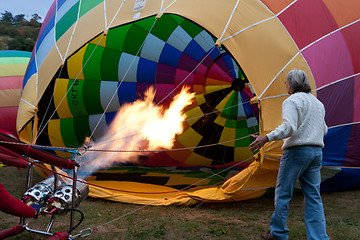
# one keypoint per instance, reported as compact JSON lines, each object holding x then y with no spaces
{"x":298,"y":81}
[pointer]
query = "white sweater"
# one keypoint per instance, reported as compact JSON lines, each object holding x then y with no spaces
{"x":303,"y":122}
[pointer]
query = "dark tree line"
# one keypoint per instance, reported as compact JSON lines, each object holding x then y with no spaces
{"x":17,"y":33}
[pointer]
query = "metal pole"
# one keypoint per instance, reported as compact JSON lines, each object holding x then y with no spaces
{"x":74,"y":191}
{"x":28,"y":184}
{"x":29,"y":175}
{"x":49,"y":226}
{"x":56,"y":177}
{"x":37,"y":231}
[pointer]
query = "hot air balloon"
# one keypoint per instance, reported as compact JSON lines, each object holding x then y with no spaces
{"x":92,"y":57}
{"x":12,"y":70}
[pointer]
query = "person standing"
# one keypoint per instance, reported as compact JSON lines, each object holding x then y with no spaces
{"x":303,"y":130}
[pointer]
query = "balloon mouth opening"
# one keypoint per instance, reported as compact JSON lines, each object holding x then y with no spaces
{"x":238,"y":85}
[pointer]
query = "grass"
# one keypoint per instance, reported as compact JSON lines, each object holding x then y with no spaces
{"x":236,"y":220}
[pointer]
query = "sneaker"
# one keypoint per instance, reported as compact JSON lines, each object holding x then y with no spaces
{"x":267,"y":236}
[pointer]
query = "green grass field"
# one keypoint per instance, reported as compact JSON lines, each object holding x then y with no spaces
{"x":237,"y":220}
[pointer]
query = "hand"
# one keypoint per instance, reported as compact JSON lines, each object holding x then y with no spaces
{"x":258,"y":143}
{"x":37,"y":208}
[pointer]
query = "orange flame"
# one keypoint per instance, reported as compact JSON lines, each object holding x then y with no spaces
{"x":140,"y":126}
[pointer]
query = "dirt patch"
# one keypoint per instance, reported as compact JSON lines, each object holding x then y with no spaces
{"x":111,"y":231}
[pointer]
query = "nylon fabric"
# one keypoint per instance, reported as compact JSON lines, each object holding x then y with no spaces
{"x":114,"y":50}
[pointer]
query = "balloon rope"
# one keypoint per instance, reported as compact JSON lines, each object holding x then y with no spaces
{"x":337,"y":81}
{"x":109,"y":150}
{"x":114,"y":140}
{"x":161,"y":150}
{"x":259,"y":22}
{"x":162,"y":11}
{"x":92,"y":133}
{"x":188,"y":119}
{"x":345,"y":124}
{"x":161,"y":6}
{"x":123,"y":79}
{"x":136,"y":192}
{"x":105,"y":15}
{"x":127,"y":191}
{"x":210,"y":51}
{"x":246,"y":28}
{"x":172,"y":91}
{"x":117,"y":12}
{"x":217,"y":111}
{"x":170,"y":150}
{"x":228,"y":22}
{"x":39,"y":132}
{"x":61,"y":68}
{"x":300,"y":52}
{"x":72,"y":34}
{"x":171,"y":194}
{"x":62,"y":60}
{"x":55,"y":42}
{"x":196,"y":67}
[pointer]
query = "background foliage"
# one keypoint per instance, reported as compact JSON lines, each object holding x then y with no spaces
{"x":17,"y":33}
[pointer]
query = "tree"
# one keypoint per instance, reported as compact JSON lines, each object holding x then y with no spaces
{"x":7,"y":17}
{"x":35,"y":17}
{"x":34,"y":21}
{"x":20,"y":18}
{"x":28,"y":45}
{"x":17,"y":33}
{"x":16,"y":43}
{"x":3,"y":43}
{"x":6,"y":29}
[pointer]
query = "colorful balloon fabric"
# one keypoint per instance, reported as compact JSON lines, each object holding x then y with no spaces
{"x":12,"y":70}
{"x":228,"y":53}
{"x":168,"y":58}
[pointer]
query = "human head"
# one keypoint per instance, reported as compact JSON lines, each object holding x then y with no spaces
{"x":298,"y":81}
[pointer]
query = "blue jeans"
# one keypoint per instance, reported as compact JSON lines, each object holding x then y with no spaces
{"x":303,"y":163}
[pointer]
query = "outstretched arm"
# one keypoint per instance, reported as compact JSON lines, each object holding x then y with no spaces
{"x":258,"y":143}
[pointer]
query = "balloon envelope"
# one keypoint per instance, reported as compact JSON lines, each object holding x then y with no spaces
{"x":13,"y":65}
{"x":228,"y":53}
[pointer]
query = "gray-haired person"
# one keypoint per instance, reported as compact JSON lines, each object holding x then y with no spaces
{"x":303,"y":129}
